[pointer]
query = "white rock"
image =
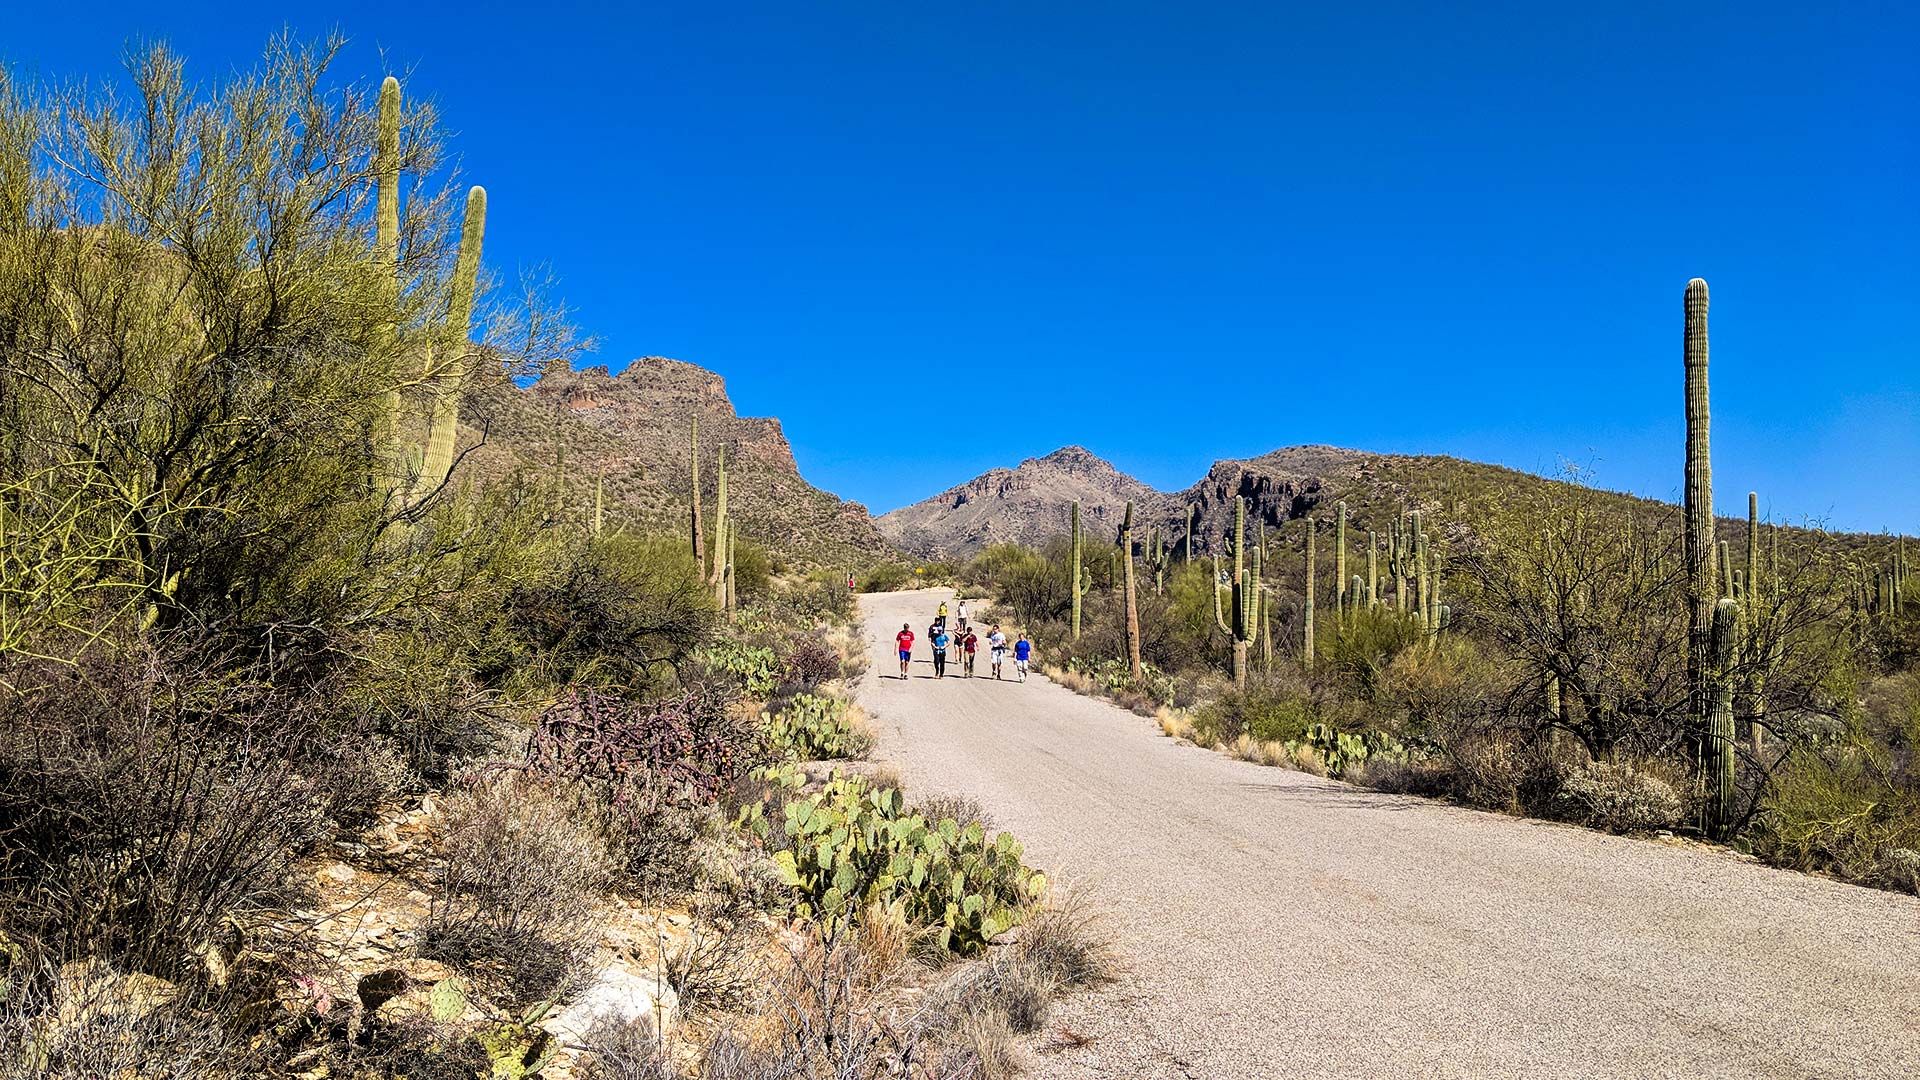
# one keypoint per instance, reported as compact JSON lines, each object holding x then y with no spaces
{"x":620,"y":993}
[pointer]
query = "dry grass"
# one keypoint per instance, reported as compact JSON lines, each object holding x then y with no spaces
{"x":1070,"y":944}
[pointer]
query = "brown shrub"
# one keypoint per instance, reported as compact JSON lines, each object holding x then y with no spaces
{"x":524,"y":868}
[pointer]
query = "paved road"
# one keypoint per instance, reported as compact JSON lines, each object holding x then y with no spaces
{"x":1280,"y":925}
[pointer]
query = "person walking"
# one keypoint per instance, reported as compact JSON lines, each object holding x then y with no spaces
{"x":996,"y":648}
{"x":969,"y":644}
{"x":961,"y":613}
{"x":940,"y":617}
{"x":940,"y":640}
{"x":904,"y":639}
{"x":1022,"y":652}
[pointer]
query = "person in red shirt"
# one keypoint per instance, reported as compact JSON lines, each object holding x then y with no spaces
{"x":905,"y":640}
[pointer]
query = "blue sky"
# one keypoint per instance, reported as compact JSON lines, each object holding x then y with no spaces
{"x":935,"y":242}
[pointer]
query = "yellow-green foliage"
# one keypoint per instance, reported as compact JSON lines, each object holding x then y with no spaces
{"x":855,"y":846}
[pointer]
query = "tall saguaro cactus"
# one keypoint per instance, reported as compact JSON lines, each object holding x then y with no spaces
{"x":1307,"y":644}
{"x":1422,"y":585}
{"x":1244,"y":629}
{"x":722,"y":534}
{"x":1133,"y":607}
{"x":1702,"y":589}
{"x":1373,"y":568}
{"x":699,"y":540}
{"x":1077,"y":580}
{"x":1340,"y":599}
{"x":1191,"y":512}
{"x":449,"y":370}
{"x":386,"y":247}
{"x":1724,"y":643}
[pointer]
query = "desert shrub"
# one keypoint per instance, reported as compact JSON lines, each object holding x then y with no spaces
{"x":625,"y":1050}
{"x":853,"y":846}
{"x":523,"y":869}
{"x":1364,"y":644}
{"x":1267,"y":709}
{"x":1443,"y":685}
{"x":717,"y":967}
{"x":86,"y":1021}
{"x":752,"y":571}
{"x":963,"y":810}
{"x":814,"y":728}
{"x":1848,"y":806}
{"x":1618,"y":798}
{"x":146,"y":807}
{"x":662,"y":767}
{"x":617,"y":610}
{"x":811,"y":662}
{"x":821,"y":595}
{"x":753,"y":668}
{"x":888,"y":577}
{"x":1400,"y":775}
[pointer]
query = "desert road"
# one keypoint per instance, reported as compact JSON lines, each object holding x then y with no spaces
{"x":1280,"y":925}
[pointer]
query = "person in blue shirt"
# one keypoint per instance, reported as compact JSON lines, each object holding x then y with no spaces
{"x":940,"y":643}
{"x":1022,"y":652}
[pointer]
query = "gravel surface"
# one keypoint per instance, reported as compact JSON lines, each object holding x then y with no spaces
{"x":1282,"y":925}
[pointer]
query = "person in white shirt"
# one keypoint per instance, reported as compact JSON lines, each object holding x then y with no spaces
{"x":962,"y":613}
{"x":997,"y":644}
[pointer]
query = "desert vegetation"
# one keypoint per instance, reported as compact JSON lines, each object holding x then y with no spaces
{"x":1547,"y":649}
{"x":324,"y":755}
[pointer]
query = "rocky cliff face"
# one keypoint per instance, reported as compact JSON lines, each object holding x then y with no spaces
{"x":1026,"y":504}
{"x":635,"y":430}
{"x":1032,"y":503}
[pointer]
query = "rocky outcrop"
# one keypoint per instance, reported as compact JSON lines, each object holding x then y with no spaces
{"x":1027,"y":504}
{"x":628,"y":436}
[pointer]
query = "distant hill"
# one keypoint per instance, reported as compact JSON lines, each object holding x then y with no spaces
{"x":1024,"y":505}
{"x":1030,"y":504}
{"x":635,"y":430}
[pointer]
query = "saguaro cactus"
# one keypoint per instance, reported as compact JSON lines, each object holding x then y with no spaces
{"x":1078,"y":580}
{"x":722,"y":533}
{"x":699,"y":541}
{"x":1306,"y":651}
{"x":1245,"y":627}
{"x":1723,"y":639}
{"x":1373,"y":568}
{"x":1422,"y":584}
{"x":386,"y":247}
{"x":1133,"y":608}
{"x":448,"y":370}
{"x":1340,"y":599}
{"x":1191,"y":511}
{"x":1702,"y":589}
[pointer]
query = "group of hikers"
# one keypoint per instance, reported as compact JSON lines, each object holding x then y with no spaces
{"x":963,"y":642}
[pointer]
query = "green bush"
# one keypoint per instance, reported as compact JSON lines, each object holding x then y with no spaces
{"x":889,"y":577}
{"x":853,"y":846}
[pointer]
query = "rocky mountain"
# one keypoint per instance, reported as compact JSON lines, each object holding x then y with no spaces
{"x":1030,"y":504}
{"x":1026,"y":504}
{"x":630,"y":437}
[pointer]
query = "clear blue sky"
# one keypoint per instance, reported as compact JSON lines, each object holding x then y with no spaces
{"x":934,"y":243}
